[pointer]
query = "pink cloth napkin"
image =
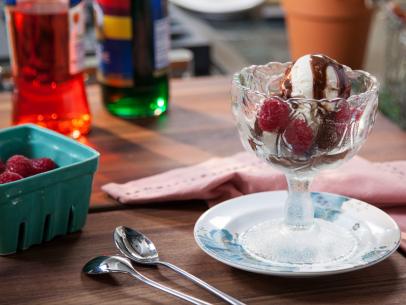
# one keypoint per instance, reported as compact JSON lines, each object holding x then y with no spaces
{"x":382,"y":184}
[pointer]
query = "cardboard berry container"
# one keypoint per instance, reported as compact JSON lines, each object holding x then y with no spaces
{"x":38,"y":208}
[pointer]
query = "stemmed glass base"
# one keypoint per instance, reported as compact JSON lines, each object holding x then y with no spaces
{"x":277,"y":243}
{"x":299,"y":238}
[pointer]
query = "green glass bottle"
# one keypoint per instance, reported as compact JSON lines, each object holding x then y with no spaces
{"x":133,"y":56}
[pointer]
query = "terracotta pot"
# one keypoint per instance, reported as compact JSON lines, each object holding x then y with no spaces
{"x":337,"y":28}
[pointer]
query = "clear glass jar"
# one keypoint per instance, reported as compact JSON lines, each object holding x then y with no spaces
{"x":393,"y":95}
{"x":46,"y":42}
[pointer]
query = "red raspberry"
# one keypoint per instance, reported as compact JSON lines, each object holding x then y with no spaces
{"x":2,"y":167}
{"x":9,"y":177}
{"x":20,"y":165}
{"x":357,"y":113}
{"x":329,"y":134}
{"x":42,"y":165}
{"x":343,"y":114}
{"x":332,"y":129}
{"x":299,"y":135}
{"x":273,"y":115}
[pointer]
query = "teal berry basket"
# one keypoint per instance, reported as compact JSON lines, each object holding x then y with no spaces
{"x":40,"y":207}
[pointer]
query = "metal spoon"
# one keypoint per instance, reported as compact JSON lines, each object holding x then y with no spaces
{"x":109,"y":264}
{"x":137,"y":247}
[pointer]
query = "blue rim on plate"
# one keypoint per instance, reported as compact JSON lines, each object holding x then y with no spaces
{"x":217,"y":232}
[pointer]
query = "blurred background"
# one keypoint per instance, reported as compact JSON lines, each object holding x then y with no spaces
{"x":211,"y":37}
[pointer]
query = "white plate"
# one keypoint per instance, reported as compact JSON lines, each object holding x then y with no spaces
{"x":218,"y":6}
{"x":217,"y":232}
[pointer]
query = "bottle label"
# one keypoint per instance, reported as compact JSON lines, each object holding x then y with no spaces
{"x":161,"y":43}
{"x":76,"y":30}
{"x":114,"y":50}
{"x":77,"y":33}
{"x":118,"y":51}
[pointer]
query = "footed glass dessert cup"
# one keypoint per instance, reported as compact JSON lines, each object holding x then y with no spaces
{"x":300,"y":137}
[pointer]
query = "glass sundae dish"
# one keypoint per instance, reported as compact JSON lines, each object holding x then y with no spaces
{"x":302,"y":117}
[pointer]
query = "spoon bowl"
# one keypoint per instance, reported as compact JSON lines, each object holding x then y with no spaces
{"x":107,"y":264}
{"x":136,"y":246}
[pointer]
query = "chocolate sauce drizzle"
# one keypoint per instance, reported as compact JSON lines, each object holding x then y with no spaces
{"x":286,"y":84}
{"x":319,"y":64}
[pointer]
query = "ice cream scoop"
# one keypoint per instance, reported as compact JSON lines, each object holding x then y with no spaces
{"x":315,"y":77}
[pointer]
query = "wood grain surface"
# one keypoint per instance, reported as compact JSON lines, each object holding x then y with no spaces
{"x":198,"y":126}
{"x":51,"y":273}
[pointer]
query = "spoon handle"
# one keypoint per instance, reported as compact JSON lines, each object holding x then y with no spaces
{"x":166,"y":289}
{"x":229,"y":299}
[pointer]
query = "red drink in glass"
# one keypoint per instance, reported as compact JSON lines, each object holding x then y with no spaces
{"x":47,"y":61}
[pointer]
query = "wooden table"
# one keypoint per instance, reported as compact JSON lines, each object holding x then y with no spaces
{"x":198,"y":126}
